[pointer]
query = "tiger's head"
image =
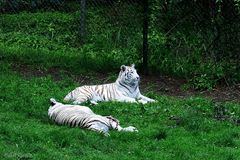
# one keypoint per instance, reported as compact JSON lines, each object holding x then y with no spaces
{"x":128,"y":75}
{"x":114,"y":123}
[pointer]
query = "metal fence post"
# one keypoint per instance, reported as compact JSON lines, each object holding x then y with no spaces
{"x":82,"y":29}
{"x":145,"y":37}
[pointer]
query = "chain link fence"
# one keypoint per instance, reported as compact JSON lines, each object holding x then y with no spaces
{"x":197,"y":39}
{"x":114,"y":27}
{"x":185,"y":37}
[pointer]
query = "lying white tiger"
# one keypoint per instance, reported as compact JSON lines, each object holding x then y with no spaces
{"x":84,"y":117}
{"x":125,"y":89}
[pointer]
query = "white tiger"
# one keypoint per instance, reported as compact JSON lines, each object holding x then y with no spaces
{"x":84,"y":117}
{"x":125,"y":89}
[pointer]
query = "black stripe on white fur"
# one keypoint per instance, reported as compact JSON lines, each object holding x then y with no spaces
{"x":83,"y":117}
{"x":53,"y":101}
{"x":124,"y":89}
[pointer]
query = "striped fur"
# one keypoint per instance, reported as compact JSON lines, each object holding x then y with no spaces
{"x":84,"y":117}
{"x":125,"y":89}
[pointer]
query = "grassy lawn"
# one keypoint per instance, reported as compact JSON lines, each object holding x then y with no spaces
{"x":192,"y":128}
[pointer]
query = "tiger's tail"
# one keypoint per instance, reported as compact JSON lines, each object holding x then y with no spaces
{"x":52,"y":101}
{"x":68,"y":97}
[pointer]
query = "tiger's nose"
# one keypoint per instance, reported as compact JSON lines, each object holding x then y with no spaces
{"x":137,"y":78}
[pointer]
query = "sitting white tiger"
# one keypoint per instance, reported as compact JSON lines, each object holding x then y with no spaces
{"x":84,"y":117}
{"x":125,"y":89}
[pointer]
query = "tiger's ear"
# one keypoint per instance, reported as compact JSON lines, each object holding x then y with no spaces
{"x":123,"y":67}
{"x":133,"y":65}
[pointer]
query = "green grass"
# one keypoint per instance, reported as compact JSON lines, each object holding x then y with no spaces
{"x":170,"y":129}
{"x":59,"y":32}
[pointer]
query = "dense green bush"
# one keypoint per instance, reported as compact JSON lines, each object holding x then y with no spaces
{"x":192,"y":40}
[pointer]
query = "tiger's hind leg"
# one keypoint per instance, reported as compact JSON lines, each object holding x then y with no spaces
{"x":95,"y":98}
{"x":83,"y":99}
{"x":93,"y":102}
{"x":80,"y":100}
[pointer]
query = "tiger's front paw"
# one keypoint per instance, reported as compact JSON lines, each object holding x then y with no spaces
{"x":152,"y":100}
{"x":106,"y":134}
{"x":142,"y":101}
{"x":130,"y":129}
{"x":148,"y":101}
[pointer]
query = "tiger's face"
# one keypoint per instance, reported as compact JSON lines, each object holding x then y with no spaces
{"x":128,"y":75}
{"x":113,"y":122}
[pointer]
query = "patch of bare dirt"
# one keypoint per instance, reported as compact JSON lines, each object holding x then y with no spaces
{"x":174,"y":87}
{"x":161,"y":84}
{"x":28,"y":71}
